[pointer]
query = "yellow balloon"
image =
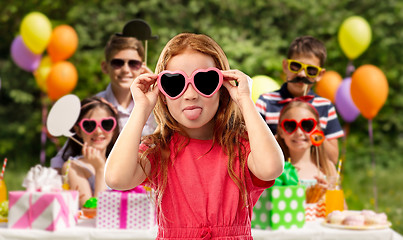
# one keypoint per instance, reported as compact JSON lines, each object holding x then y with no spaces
{"x":262,"y":84}
{"x":354,"y":36}
{"x":36,"y":30}
{"x":42,"y":72}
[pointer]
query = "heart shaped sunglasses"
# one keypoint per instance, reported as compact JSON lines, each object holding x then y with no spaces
{"x":290,"y":125}
{"x":205,"y":81}
{"x":90,"y":125}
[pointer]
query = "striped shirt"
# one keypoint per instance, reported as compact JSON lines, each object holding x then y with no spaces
{"x":268,"y":106}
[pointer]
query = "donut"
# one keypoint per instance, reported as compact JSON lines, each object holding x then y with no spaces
{"x":335,"y":217}
{"x":354,"y":220}
{"x":376,"y":219}
{"x":368,"y":213}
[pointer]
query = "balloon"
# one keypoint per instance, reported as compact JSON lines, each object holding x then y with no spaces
{"x":23,"y":57}
{"x":62,"y":79}
{"x":328,"y":85}
{"x":36,"y":30}
{"x":63,"y":43}
{"x":354,"y":36}
{"x":63,"y":115}
{"x":42,"y":73}
{"x":344,"y":103}
{"x":262,"y":84}
{"x":369,"y":90}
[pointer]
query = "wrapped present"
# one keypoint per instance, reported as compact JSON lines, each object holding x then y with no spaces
{"x":125,"y":210}
{"x":43,"y":205}
{"x":281,"y":206}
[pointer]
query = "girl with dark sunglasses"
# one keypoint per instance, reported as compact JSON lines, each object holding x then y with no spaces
{"x":297,"y":121}
{"x":211,"y":156}
{"x":97,"y":127}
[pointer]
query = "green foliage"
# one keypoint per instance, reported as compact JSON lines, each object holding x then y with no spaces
{"x":255,"y":35}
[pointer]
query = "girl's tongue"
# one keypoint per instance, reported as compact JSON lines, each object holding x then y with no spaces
{"x":192,"y":113}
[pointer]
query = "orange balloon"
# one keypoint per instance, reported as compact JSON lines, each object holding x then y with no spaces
{"x":62,"y":79}
{"x":63,"y":43}
{"x":369,"y":90}
{"x":328,"y":85}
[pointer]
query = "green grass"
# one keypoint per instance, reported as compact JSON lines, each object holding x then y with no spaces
{"x":359,"y":192}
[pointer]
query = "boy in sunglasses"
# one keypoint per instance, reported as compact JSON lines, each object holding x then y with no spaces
{"x":303,"y":68}
{"x":97,"y":128}
{"x":124,"y":61}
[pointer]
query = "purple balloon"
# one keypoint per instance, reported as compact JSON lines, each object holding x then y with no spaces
{"x":344,"y":103}
{"x":23,"y":57}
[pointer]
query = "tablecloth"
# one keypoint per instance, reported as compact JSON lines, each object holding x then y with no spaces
{"x":85,"y":230}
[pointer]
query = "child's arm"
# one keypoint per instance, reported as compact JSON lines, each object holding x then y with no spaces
{"x":122,"y":170}
{"x":97,"y":159}
{"x":266,"y":160}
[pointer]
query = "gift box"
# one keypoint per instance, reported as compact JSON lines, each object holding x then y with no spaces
{"x":281,"y":206}
{"x":314,"y":211}
{"x":43,"y":205}
{"x":125,"y":210}
{"x":42,"y":210}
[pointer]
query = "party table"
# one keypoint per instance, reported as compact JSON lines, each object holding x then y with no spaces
{"x":86,"y":230}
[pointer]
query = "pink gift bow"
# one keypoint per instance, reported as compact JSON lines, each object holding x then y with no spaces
{"x":124,"y":204}
{"x":36,"y":209}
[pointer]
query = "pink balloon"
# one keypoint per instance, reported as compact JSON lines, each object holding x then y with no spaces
{"x":23,"y":57}
{"x":344,"y":103}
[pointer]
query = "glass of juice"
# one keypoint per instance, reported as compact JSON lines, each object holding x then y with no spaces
{"x":3,"y":190}
{"x":334,"y":196}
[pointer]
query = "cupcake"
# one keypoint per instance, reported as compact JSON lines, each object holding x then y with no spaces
{"x":4,"y":211}
{"x":90,"y":208}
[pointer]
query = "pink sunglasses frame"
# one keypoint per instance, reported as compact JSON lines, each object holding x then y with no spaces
{"x":98,"y":124}
{"x":189,"y":80}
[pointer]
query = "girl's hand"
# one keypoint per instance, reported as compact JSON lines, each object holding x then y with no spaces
{"x":244,"y":85}
{"x":144,"y":91}
{"x":94,"y":157}
{"x":322,"y":182}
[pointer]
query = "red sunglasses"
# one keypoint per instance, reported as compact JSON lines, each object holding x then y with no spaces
{"x":205,"y":81}
{"x":290,"y":125}
{"x":118,"y":63}
{"x":90,"y":125}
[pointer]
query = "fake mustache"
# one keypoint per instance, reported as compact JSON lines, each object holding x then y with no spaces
{"x":300,"y":80}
